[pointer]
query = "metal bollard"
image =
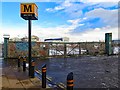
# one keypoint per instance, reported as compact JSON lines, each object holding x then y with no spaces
{"x":32,"y":68}
{"x":24,"y":63}
{"x":44,"y":76}
{"x":70,"y":81}
{"x":19,"y":60}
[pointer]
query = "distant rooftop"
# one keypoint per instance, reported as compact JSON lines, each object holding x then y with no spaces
{"x":116,"y":41}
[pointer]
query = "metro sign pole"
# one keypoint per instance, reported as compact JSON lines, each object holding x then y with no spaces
{"x":29,"y":45}
{"x":29,"y":11}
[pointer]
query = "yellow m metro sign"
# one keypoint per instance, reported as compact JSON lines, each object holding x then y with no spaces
{"x":29,"y":11}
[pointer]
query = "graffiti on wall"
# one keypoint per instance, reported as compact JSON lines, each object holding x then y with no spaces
{"x":21,"y":48}
{"x":12,"y":49}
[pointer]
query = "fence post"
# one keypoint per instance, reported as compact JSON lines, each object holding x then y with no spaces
{"x":19,"y":61}
{"x":79,"y":49}
{"x":24,"y":63}
{"x":65,"y":50}
{"x":70,"y":81}
{"x":32,"y":68}
{"x":44,"y":76}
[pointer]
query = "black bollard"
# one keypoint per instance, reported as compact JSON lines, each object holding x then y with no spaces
{"x":24,"y":63}
{"x":19,"y":60}
{"x":70,"y":81}
{"x":32,"y":68}
{"x":44,"y":76}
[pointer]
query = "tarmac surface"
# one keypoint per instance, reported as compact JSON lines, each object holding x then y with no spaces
{"x":89,"y":71}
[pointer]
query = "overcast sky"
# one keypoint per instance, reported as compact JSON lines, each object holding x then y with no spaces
{"x":80,"y":20}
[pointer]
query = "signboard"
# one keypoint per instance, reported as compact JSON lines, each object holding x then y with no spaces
{"x":29,"y":11}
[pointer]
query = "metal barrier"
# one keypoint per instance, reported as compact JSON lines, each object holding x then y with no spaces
{"x":44,"y":76}
{"x":70,"y":81}
{"x":32,"y":68}
{"x":19,"y":57}
{"x":24,"y":63}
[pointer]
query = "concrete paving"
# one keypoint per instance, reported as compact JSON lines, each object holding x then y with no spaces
{"x":13,"y":78}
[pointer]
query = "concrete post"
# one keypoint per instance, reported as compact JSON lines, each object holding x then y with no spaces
{"x":6,"y":39}
{"x":108,"y":43}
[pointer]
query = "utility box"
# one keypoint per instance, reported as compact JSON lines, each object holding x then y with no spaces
{"x":29,"y":11}
{"x":108,"y":43}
